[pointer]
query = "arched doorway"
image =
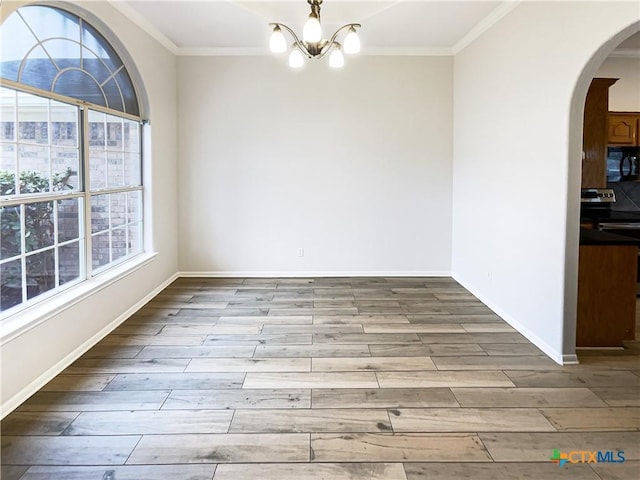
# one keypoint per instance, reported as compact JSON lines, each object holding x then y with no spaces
{"x":574,"y":183}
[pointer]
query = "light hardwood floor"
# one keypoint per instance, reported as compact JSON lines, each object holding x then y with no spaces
{"x":307,"y":379}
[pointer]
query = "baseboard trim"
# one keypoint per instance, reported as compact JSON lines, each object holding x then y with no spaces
{"x":15,"y":401}
{"x":551,"y":352}
{"x":570,"y":359}
{"x":311,"y":274}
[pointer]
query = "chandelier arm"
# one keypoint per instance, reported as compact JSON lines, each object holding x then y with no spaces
{"x":332,"y":42}
{"x":296,"y":40}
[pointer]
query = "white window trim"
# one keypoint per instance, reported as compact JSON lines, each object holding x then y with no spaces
{"x":29,"y":318}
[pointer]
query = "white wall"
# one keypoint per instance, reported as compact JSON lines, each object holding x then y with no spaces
{"x":513,"y":104}
{"x":354,"y":166}
{"x":624,"y":95}
{"x":34,"y":357}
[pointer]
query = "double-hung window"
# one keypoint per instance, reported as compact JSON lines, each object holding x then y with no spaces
{"x":70,"y":156}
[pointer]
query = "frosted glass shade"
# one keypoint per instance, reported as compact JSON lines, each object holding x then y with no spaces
{"x":296,"y":59}
{"x":312,"y":31}
{"x":277,"y":42}
{"x":351,"y":42}
{"x":336,"y":59}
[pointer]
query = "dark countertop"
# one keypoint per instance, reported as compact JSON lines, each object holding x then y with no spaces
{"x":596,"y":237}
{"x":611,"y":216}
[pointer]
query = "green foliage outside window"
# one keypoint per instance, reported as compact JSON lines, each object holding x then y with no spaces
{"x":39,"y":228}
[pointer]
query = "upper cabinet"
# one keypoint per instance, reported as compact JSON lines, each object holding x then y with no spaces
{"x":624,"y":129}
{"x":594,"y":140}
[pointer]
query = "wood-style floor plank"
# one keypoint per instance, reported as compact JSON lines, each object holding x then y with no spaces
{"x":78,"y":383}
{"x":368,"y":338}
{"x":150,"y":422}
{"x":629,"y":470}
{"x":494,"y":362}
{"x":234,"y":399}
{"x":179,"y":381}
{"x":37,"y":423}
{"x":14,"y":472}
{"x":510,"y":349}
{"x":481,"y":337}
{"x":213,"y":329}
{"x":370,"y":447}
{"x":221,"y":351}
{"x":249,"y":365}
{"x":537,"y":447}
{"x":360,"y":319}
{"x":314,"y":351}
{"x":57,"y":450}
{"x":94,"y":401}
{"x":383,"y":398}
{"x":527,"y":397}
{"x":310,"y":420}
{"x":497,"y":471}
{"x":618,"y":396}
{"x":415,"y":328}
{"x":311,"y":471}
{"x":443,"y":379}
{"x":469,"y":420}
{"x":122,"y":472}
{"x":285,"y":339}
{"x":372,"y":364}
{"x":593,"y":419}
{"x":142,"y":340}
{"x":92,"y":366}
{"x":418,"y":350}
{"x":573,"y":378}
{"x":227,"y":448}
{"x":311,"y":380}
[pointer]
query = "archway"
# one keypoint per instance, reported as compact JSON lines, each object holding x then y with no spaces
{"x":573,"y":186}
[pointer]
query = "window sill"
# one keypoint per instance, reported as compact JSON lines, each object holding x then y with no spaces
{"x":24,"y":320}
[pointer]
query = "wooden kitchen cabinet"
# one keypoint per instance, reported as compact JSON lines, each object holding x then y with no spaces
{"x":624,"y":129}
{"x":594,"y":139}
{"x":606,"y":295}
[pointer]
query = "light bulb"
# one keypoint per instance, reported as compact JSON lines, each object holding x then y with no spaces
{"x":296,"y":60}
{"x":336,"y":59}
{"x":277,"y":42}
{"x":312,"y":31}
{"x":352,"y":42}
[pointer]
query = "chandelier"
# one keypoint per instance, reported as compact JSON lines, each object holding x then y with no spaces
{"x":312,"y":44}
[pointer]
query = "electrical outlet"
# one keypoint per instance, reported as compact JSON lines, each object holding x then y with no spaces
{"x":301,"y":252}
{"x":490,"y":276}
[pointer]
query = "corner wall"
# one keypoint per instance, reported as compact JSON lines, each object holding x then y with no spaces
{"x":35,"y":356}
{"x":624,"y":95}
{"x":516,"y":176}
{"x":353,"y":166}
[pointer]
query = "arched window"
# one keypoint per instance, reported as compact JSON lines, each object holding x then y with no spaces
{"x":70,"y":155}
{"x":56,"y":51}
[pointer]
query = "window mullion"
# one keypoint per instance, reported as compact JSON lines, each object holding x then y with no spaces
{"x":23,"y":251}
{"x":84,"y":152}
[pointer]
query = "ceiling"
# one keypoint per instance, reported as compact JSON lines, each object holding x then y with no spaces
{"x":226,"y":27}
{"x":401,"y":27}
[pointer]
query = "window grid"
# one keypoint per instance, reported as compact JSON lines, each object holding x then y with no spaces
{"x":102,"y":59}
{"x":59,"y":218}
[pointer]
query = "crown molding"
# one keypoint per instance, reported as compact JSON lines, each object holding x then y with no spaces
{"x":409,"y":51}
{"x":222,"y":52}
{"x":626,"y":53}
{"x":139,"y":19}
{"x":263,"y":52}
{"x":485,"y":24}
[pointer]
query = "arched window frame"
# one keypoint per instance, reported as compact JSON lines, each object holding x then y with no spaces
{"x":85,"y":193}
